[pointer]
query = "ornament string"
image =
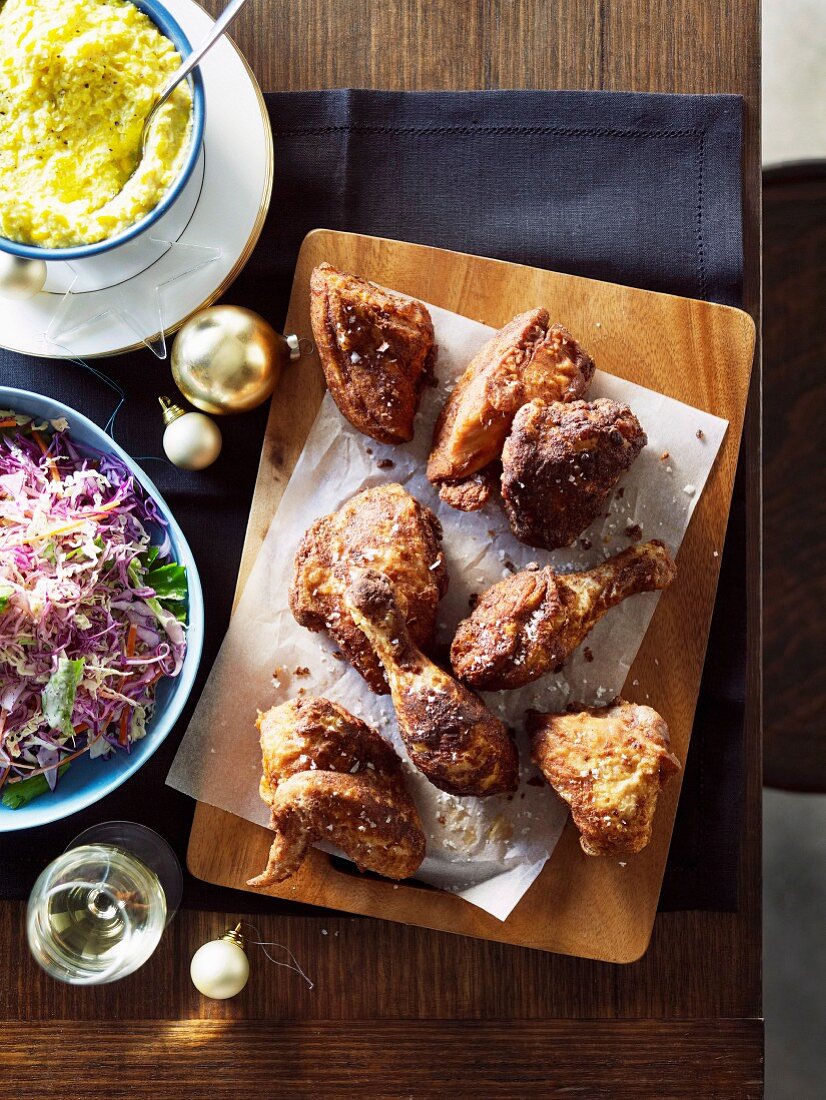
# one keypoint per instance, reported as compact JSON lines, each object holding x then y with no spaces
{"x":264,"y":944}
{"x":109,"y":426}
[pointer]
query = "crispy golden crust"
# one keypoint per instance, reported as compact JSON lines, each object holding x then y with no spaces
{"x":560,"y":463}
{"x":471,"y":493}
{"x":377,"y":351}
{"x":383,"y":527}
{"x":328,"y":776}
{"x":449,"y":733}
{"x":527,"y":358}
{"x":530,"y":623}
{"x":609,"y":764}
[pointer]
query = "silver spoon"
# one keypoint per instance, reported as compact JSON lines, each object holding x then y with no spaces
{"x":185,"y":68}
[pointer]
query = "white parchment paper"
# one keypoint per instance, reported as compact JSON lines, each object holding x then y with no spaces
{"x":487,"y":850}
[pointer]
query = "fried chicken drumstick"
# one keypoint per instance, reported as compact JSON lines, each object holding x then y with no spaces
{"x":560,"y":463}
{"x":527,"y":358}
{"x":530,"y":623}
{"x":384,"y":528}
{"x":328,"y":776}
{"x":609,"y":764}
{"x":377,"y":351}
{"x":450,"y":735}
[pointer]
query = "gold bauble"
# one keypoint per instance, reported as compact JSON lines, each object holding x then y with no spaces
{"x":227,"y":359}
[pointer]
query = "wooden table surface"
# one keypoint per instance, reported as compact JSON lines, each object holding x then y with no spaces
{"x":398,"y":1011}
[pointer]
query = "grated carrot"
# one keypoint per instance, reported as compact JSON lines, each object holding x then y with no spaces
{"x":123,"y":736}
{"x":60,"y":763}
{"x":53,"y":471}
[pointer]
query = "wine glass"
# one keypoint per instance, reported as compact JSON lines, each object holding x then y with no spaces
{"x":98,"y":911}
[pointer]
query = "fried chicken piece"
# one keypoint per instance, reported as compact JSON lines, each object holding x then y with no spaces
{"x":560,"y":464}
{"x":609,"y":764}
{"x":377,"y":351}
{"x":530,"y":623}
{"x":450,"y":735}
{"x":328,"y":776}
{"x":527,"y":358}
{"x":389,"y":530}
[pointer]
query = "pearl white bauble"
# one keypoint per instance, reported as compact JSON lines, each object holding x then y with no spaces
{"x":20,"y":278}
{"x":219,"y":969}
{"x":192,"y":441}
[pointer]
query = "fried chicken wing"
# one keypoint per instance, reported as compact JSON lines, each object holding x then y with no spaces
{"x":609,"y":764}
{"x":377,"y":351}
{"x":328,"y":776}
{"x":560,"y":464}
{"x":449,"y":733}
{"x":527,"y":358}
{"x":389,"y":530}
{"x":530,"y":623}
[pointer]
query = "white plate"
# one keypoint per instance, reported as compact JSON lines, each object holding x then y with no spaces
{"x":190,"y":256}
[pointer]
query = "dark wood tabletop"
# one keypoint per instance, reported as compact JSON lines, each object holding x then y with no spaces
{"x":399,"y":1011}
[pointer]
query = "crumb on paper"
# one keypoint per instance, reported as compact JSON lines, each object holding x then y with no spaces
{"x":301,"y":671}
{"x":700,"y":433}
{"x":689,"y":490}
{"x":385,"y":464}
{"x":664,"y":457}
{"x":634,"y":532}
{"x":588,"y":654}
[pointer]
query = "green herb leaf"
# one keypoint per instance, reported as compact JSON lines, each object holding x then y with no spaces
{"x":20,"y":794}
{"x":5,"y":595}
{"x":149,"y":556}
{"x":169,"y":581}
{"x":58,"y":696}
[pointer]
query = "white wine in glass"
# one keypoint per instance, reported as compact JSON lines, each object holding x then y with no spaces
{"x":98,"y":911}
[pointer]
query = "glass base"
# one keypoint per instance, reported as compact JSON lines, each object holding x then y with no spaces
{"x":148,"y":846}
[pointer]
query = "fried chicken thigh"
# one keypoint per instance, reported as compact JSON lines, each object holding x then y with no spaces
{"x":450,"y":735}
{"x":527,"y":358}
{"x":530,"y":623}
{"x":560,"y":464}
{"x":377,"y":351}
{"x":609,"y":764}
{"x":383,"y":528}
{"x":328,"y":776}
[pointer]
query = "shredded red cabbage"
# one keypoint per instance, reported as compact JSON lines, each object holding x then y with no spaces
{"x":91,"y":612}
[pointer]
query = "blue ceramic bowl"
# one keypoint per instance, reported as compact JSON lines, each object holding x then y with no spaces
{"x":172,"y":30}
{"x":87,"y":781}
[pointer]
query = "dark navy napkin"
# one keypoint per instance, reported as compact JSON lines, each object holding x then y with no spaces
{"x":638,"y":189}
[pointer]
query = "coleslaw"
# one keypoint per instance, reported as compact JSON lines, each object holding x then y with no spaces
{"x":92,"y":611}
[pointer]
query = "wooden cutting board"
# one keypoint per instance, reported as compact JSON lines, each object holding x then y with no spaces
{"x":693,"y":351}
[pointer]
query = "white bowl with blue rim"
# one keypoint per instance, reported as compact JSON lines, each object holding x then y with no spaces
{"x":171,"y":29}
{"x":87,"y":781}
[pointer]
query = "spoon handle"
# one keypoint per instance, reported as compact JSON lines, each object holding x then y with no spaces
{"x":221,"y":23}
